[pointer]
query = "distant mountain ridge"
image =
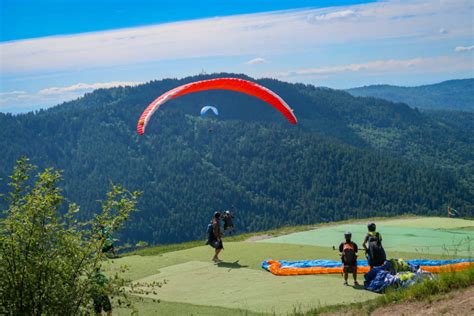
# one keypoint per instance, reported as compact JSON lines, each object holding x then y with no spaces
{"x":447,"y":95}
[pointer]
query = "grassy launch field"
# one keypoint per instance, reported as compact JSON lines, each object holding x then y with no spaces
{"x":239,"y":286}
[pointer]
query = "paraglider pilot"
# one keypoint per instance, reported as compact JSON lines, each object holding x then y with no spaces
{"x":348,"y":250}
{"x":214,"y":236}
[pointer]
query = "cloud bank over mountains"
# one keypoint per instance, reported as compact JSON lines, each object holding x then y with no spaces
{"x":319,"y":46}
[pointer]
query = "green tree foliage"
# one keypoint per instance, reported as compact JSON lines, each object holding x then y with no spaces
{"x":48,"y":260}
{"x":348,"y":157}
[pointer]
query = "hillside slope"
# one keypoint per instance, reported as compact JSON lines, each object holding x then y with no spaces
{"x":448,"y":95}
{"x":349,"y":157}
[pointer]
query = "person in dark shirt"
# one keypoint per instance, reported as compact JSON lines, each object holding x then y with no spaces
{"x":348,"y":250}
{"x":373,"y":247}
{"x":228,"y":222}
{"x":106,"y":234}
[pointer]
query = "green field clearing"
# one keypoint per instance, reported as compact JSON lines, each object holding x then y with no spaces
{"x":148,"y":306}
{"x":440,"y":236}
{"x":247,"y":254}
{"x":430,"y":222}
{"x":239,"y":286}
{"x":204,"y":283}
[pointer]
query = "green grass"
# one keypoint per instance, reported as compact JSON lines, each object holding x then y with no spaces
{"x":161,"y":249}
{"x":430,"y":222}
{"x":148,"y":306}
{"x":442,"y":236}
{"x":250,"y":286}
{"x":249,"y":254}
{"x":281,"y":231}
{"x":232,"y":285}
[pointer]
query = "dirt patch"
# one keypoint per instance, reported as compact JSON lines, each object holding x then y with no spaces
{"x":259,"y":237}
{"x":455,"y":303}
{"x":459,"y":302}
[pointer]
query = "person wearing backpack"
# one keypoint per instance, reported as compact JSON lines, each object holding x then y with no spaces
{"x":373,"y":247}
{"x":348,"y":250}
{"x":214,"y":236}
{"x":228,"y":222}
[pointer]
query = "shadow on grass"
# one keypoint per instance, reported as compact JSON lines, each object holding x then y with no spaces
{"x":358,"y":287}
{"x":231,"y":265}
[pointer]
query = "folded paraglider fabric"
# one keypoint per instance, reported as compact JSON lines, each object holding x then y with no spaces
{"x":394,"y":273}
{"x":302,"y":267}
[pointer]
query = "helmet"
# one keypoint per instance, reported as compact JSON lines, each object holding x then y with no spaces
{"x":217,"y":215}
{"x":227,"y":212}
{"x":347,"y":235}
{"x":371,"y":227}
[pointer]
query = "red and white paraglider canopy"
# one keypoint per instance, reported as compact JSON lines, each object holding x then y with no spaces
{"x":233,"y":84}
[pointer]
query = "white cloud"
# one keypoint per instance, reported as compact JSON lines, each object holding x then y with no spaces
{"x":12,"y":94}
{"x":84,"y":87}
{"x":284,"y":32}
{"x":429,"y":64}
{"x":331,"y":16}
{"x":21,"y":101}
{"x":464,"y":48}
{"x":256,"y":61}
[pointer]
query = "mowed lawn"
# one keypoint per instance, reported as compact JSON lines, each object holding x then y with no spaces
{"x":448,"y":237}
{"x":239,"y":286}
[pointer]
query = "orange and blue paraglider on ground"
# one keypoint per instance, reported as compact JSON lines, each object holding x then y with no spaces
{"x":394,"y":272}
{"x":303,"y":267}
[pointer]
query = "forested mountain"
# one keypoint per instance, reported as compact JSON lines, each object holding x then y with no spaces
{"x":349,"y":157}
{"x":448,"y":95}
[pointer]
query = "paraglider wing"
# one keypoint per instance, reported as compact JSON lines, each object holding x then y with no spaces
{"x":205,"y":109}
{"x":233,"y":84}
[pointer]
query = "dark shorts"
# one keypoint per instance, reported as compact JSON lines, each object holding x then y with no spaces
{"x":216,"y":244}
{"x":102,"y":303}
{"x":107,"y":248}
{"x":349,"y":269}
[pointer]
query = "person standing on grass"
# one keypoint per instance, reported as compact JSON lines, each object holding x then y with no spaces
{"x":215,"y":236}
{"x":228,"y":222}
{"x":348,"y":250}
{"x":373,"y":247}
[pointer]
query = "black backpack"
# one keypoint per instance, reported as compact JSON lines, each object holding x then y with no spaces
{"x":376,"y":251}
{"x":210,"y":232}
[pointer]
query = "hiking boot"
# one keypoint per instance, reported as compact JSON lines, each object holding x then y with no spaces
{"x":356,"y":283}
{"x":345,"y":283}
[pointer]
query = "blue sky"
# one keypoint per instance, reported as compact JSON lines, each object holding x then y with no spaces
{"x":22,"y":19}
{"x":52,"y":51}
